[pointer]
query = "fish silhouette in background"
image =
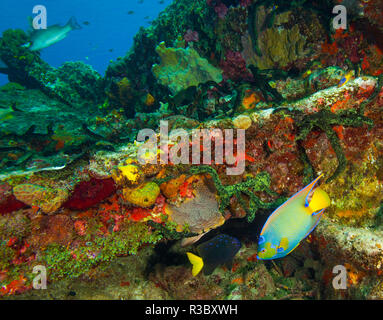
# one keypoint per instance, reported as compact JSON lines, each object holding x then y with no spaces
{"x":43,"y":38}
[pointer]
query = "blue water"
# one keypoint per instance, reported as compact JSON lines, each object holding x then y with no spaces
{"x":109,"y":34}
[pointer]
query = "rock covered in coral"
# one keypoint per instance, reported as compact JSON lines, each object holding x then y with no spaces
{"x":75,"y":83}
{"x":48,"y":199}
{"x":182,"y":68}
{"x":199,"y":213}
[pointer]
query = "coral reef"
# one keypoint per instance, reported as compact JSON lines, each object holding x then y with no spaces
{"x":199,"y":214}
{"x":182,"y":68}
{"x":75,"y":198}
{"x":74,"y":83}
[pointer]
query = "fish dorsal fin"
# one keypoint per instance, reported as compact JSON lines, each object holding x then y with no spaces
{"x":197,"y":263}
{"x":309,"y":188}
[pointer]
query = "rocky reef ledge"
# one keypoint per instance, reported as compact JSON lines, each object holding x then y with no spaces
{"x":77,"y":219}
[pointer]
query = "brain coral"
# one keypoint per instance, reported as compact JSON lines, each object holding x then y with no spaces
{"x":182,"y":68}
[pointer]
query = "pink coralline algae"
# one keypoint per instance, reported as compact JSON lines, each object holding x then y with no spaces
{"x":219,"y":8}
{"x":245,"y":3}
{"x":234,"y":67}
{"x":191,"y":36}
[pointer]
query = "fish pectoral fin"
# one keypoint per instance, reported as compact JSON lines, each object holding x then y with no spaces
{"x":196,"y":261}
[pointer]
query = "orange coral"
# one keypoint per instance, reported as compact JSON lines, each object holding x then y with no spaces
{"x":354,"y":276}
{"x":330,"y":48}
{"x":237,"y":281}
{"x":339,"y":131}
{"x":170,"y":189}
{"x":16,"y":286}
{"x":250,"y":100}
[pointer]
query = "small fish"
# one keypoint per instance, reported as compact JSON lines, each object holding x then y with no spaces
{"x":44,"y":38}
{"x":217,"y":251}
{"x":8,"y":113}
{"x":131,"y":12}
{"x":293,"y":221}
{"x":306,"y":74}
{"x":147,"y":17}
{"x":86,"y":23}
{"x":161,"y":2}
{"x":346,"y":78}
{"x":140,"y":1}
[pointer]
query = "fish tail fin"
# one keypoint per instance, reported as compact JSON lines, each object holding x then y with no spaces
{"x":197,"y":263}
{"x":74,"y":24}
{"x":320,"y":200}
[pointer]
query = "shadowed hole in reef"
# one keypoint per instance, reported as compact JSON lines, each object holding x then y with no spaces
{"x":165,"y":255}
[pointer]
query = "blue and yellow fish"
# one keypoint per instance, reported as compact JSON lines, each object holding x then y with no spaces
{"x":346,"y":78}
{"x":293,"y":221}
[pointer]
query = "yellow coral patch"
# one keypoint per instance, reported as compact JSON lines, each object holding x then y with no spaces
{"x":131,"y":172}
{"x":128,"y":175}
{"x":144,"y":196}
{"x":242,"y":122}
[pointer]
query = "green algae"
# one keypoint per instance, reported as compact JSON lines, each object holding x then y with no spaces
{"x":261,"y":183}
{"x":325,"y":120}
{"x":63,"y":262}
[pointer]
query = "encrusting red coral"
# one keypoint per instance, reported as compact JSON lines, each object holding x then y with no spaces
{"x":89,"y":193}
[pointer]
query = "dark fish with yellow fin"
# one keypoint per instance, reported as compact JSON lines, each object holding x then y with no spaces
{"x":219,"y":250}
{"x":293,"y":221}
